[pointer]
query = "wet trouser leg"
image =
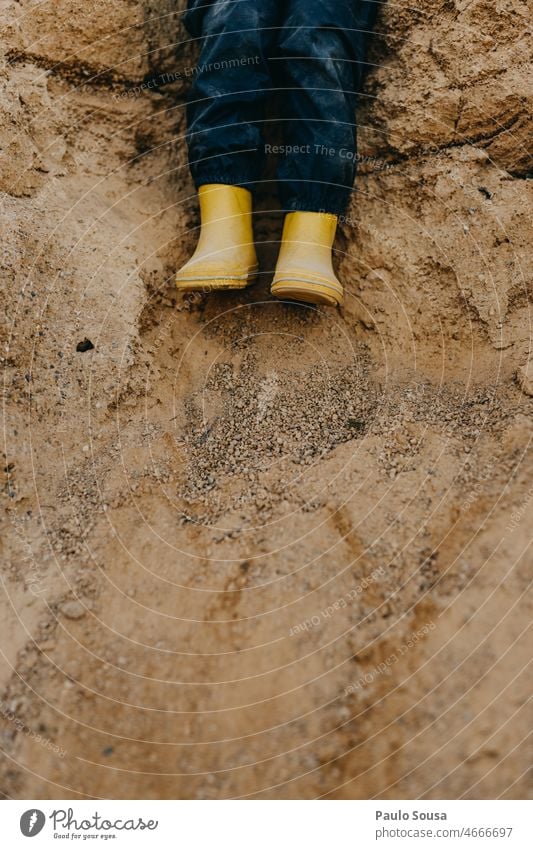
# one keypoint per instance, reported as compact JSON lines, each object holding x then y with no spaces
{"x":230,"y":86}
{"x":321,"y":58}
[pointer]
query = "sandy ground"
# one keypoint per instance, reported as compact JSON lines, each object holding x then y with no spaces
{"x":252,"y":549}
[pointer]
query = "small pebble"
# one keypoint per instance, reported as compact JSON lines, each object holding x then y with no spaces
{"x":73,"y":609}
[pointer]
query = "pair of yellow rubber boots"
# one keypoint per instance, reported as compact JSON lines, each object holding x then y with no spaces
{"x":225,"y":256}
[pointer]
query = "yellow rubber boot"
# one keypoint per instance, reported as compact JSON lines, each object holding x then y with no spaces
{"x":225,"y":255}
{"x":305,"y":271}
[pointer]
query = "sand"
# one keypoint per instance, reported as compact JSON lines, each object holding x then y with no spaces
{"x":253,"y":549}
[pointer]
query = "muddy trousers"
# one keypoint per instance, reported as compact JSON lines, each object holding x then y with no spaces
{"x":311,"y":55}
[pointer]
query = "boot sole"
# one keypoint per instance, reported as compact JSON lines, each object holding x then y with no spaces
{"x":215,"y":284}
{"x":308,"y":291}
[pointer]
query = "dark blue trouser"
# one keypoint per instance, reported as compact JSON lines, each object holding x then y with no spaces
{"x":312,"y":51}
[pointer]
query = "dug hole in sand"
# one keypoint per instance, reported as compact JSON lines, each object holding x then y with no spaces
{"x":253,"y":549}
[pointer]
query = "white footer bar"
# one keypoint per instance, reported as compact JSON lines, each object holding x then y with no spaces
{"x":268,"y":824}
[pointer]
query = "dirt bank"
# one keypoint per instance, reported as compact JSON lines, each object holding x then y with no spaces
{"x":253,"y":549}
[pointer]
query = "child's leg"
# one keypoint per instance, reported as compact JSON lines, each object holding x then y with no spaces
{"x":321,"y":53}
{"x":229,"y":87}
{"x":225,"y":114}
